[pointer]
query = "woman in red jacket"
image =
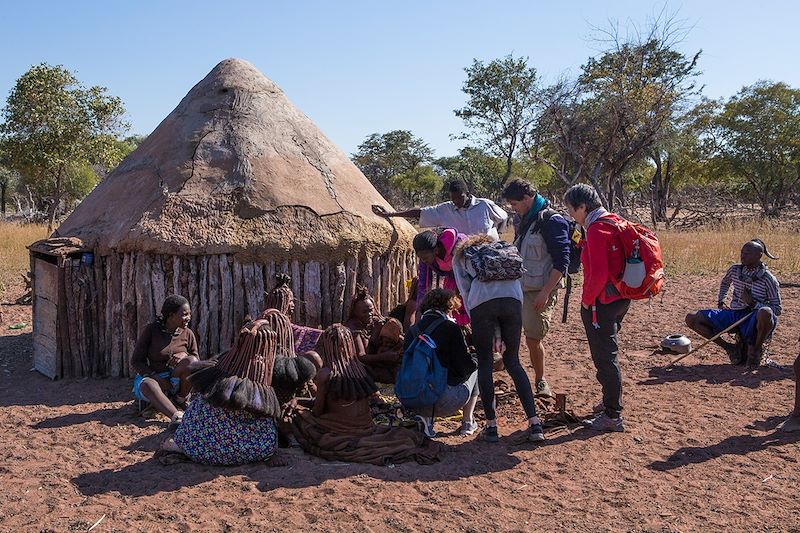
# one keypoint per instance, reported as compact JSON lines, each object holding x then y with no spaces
{"x":602,"y":307}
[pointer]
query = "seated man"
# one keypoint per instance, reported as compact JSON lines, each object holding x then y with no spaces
{"x":756,"y":293}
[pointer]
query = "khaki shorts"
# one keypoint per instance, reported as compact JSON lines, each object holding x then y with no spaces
{"x":536,"y":324}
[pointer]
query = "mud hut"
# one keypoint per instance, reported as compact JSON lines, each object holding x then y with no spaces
{"x":234,"y":186}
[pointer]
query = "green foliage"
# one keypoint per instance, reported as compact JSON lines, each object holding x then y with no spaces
{"x":421,"y":184}
{"x":757,"y":137}
{"x":620,"y":107}
{"x":383,"y":156}
{"x":479,"y":169}
{"x":54,"y":128}
{"x":501,"y":109}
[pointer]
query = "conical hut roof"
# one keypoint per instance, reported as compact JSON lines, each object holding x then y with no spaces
{"x":236,"y":168}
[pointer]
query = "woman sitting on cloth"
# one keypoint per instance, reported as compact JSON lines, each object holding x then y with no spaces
{"x":340,"y":426}
{"x":435,"y":252}
{"x":282,"y":299}
{"x":231,"y":418}
{"x":384,"y":352}
{"x":163,"y":356}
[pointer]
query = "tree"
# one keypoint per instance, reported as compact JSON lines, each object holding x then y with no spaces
{"x":618,"y":108}
{"x":475,"y":166}
{"x":8,"y":180}
{"x":54,"y":127}
{"x":420,"y":184}
{"x":501,"y":109}
{"x":382,"y":156}
{"x":758,"y":138}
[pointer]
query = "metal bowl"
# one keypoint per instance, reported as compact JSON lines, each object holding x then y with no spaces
{"x":677,"y":343}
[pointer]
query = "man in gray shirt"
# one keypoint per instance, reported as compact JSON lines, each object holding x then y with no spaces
{"x":464,"y":212}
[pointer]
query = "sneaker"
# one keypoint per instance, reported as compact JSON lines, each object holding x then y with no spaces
{"x":790,"y":425}
{"x":543,"y":389}
{"x":603,"y":422}
{"x":489,"y":434}
{"x":599,"y":408}
{"x":425,"y":425}
{"x":535,"y":433}
{"x":468,"y":427}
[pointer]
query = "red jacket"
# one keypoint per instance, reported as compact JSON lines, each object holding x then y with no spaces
{"x":603,"y":261}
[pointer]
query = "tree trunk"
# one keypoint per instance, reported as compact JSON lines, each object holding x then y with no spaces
{"x":3,"y":189}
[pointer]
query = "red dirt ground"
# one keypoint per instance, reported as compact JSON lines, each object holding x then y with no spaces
{"x":699,"y":454}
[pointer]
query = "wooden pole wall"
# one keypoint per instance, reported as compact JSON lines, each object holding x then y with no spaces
{"x":104,"y":306}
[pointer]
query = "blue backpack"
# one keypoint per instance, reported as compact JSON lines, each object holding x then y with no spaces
{"x":422,"y":378}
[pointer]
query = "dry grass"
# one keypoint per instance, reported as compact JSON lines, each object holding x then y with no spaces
{"x":14,"y":239}
{"x":712,"y":250}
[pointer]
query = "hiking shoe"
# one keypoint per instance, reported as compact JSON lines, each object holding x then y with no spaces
{"x":603,"y":422}
{"x":790,"y":425}
{"x":543,"y":389}
{"x":489,"y":434}
{"x":425,"y":425}
{"x":468,"y":427}
{"x":535,"y":433}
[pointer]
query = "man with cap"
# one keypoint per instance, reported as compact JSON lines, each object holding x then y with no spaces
{"x":464,"y":212}
{"x":756,"y":295}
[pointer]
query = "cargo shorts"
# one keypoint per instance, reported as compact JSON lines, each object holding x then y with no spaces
{"x":536,"y":324}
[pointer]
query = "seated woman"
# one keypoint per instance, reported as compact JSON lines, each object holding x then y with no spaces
{"x":453,"y":355}
{"x":282,"y":299}
{"x":339,"y":427}
{"x":162,"y":359}
{"x":384,"y":351}
{"x":361,"y":318}
{"x":435,"y":252}
{"x":231,"y":418}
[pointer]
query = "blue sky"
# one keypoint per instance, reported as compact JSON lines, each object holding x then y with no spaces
{"x":361,"y":67}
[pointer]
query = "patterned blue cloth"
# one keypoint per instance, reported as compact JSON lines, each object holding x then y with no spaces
{"x":217,"y":436}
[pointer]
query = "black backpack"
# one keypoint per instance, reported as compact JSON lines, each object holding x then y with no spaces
{"x":576,"y":236}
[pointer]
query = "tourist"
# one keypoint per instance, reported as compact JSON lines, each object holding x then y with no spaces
{"x":435,"y":252}
{"x":464,"y":212}
{"x":493,"y":305}
{"x":452,"y":352}
{"x":602,"y":307}
{"x":756,"y":295}
{"x":339,"y":427}
{"x":543,"y":242}
{"x":163,"y":358}
{"x":231,"y":417}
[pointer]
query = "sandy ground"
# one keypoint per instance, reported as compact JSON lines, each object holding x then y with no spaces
{"x":699,"y":454}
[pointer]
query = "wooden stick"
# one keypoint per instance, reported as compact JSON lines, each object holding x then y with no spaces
{"x":213,"y":305}
{"x":712,"y":339}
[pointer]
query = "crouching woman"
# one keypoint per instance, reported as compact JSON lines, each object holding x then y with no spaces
{"x":231,"y":418}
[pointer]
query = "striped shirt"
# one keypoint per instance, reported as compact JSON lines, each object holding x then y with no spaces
{"x":763,"y":285}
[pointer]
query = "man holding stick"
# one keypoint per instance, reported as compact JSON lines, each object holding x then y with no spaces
{"x":756,"y":292}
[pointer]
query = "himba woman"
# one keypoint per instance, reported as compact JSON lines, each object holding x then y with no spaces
{"x":231,"y":418}
{"x":162,"y":359}
{"x":339,"y":426}
{"x":378,"y":340}
{"x":291,"y":372}
{"x":282,"y":298}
